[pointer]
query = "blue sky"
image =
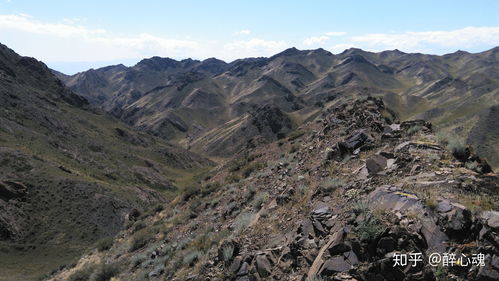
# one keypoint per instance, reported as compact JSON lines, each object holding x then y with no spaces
{"x":72,"y":36}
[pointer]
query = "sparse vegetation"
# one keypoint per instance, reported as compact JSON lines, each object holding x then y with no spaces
{"x":260,"y":199}
{"x":82,"y":274}
{"x":105,"y":244}
{"x":192,"y":257}
{"x":104,"y":272}
{"x":330,"y":185}
{"x":242,"y":222}
{"x":139,"y":240}
{"x":474,"y":166}
{"x":414,"y":129}
{"x":228,"y":252}
{"x":295,"y":134}
{"x":138,"y":259}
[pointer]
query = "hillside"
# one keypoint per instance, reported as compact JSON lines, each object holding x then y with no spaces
{"x":336,"y":200}
{"x":188,"y":100}
{"x":71,"y":175}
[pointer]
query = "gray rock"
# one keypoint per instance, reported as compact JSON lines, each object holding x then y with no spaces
{"x":376,"y":164}
{"x":492,"y":219}
{"x":263,"y":266}
{"x":236,"y":264}
{"x":333,"y":265}
{"x":243,"y":270}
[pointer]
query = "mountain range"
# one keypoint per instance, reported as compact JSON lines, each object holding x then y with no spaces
{"x":301,"y":166}
{"x":205,"y":105}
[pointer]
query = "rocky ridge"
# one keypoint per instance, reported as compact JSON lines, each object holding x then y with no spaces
{"x":337,"y":199}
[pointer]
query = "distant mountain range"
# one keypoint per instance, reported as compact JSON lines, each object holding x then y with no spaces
{"x":212,"y":107}
{"x":280,"y":168}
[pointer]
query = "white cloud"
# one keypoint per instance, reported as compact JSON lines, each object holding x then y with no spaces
{"x":336,"y":33}
{"x":317,"y":40}
{"x":467,"y":37}
{"x":255,"y":47}
{"x":68,"y":42}
{"x":243,"y":32}
{"x":314,"y":40}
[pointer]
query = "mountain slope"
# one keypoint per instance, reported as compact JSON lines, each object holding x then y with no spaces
{"x":69,"y":175}
{"x":336,"y":201}
{"x":158,"y":95}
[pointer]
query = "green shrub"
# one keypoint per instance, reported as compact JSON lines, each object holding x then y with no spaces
{"x":138,"y":259}
{"x":242,"y":222}
{"x":139,"y":240}
{"x":260,"y":199}
{"x":192,"y":257}
{"x":252,"y":167}
{"x":414,"y":129}
{"x":302,"y":189}
{"x":83,"y":274}
{"x":455,"y":145}
{"x":105,"y":244}
{"x":138,"y":225}
{"x":104,"y":272}
{"x":330,"y":185}
{"x":250,"y":194}
{"x":369,"y":228}
{"x":474,"y":166}
{"x":228,"y":252}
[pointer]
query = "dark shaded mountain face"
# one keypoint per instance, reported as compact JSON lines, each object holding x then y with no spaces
{"x":70,"y":176}
{"x":186,"y":100}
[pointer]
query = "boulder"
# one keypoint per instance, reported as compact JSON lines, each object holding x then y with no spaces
{"x":333,"y":265}
{"x":356,"y":140}
{"x":457,"y":222}
{"x":376,"y":164}
{"x":491,"y":218}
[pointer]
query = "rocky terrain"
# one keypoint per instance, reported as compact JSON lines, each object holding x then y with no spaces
{"x":338,"y":199}
{"x":320,"y":169}
{"x":69,"y":175}
{"x":192,"y":101}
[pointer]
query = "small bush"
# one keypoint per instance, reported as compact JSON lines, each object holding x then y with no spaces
{"x":232,"y":178}
{"x":455,"y":146}
{"x":192,"y":257}
{"x":228,"y":252}
{"x":242,"y":222}
{"x":414,"y":129}
{"x":138,"y":225}
{"x":330,"y":185}
{"x":138,"y":259}
{"x":260,"y":199}
{"x":252,"y":167}
{"x":474,"y":166}
{"x":302,"y":189}
{"x":190,"y":192}
{"x":82,"y":274}
{"x":370,"y":228}
{"x":431,"y":202}
{"x":250,"y":194}
{"x":105,"y":244}
{"x":104,"y":272}
{"x":139,"y":240}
